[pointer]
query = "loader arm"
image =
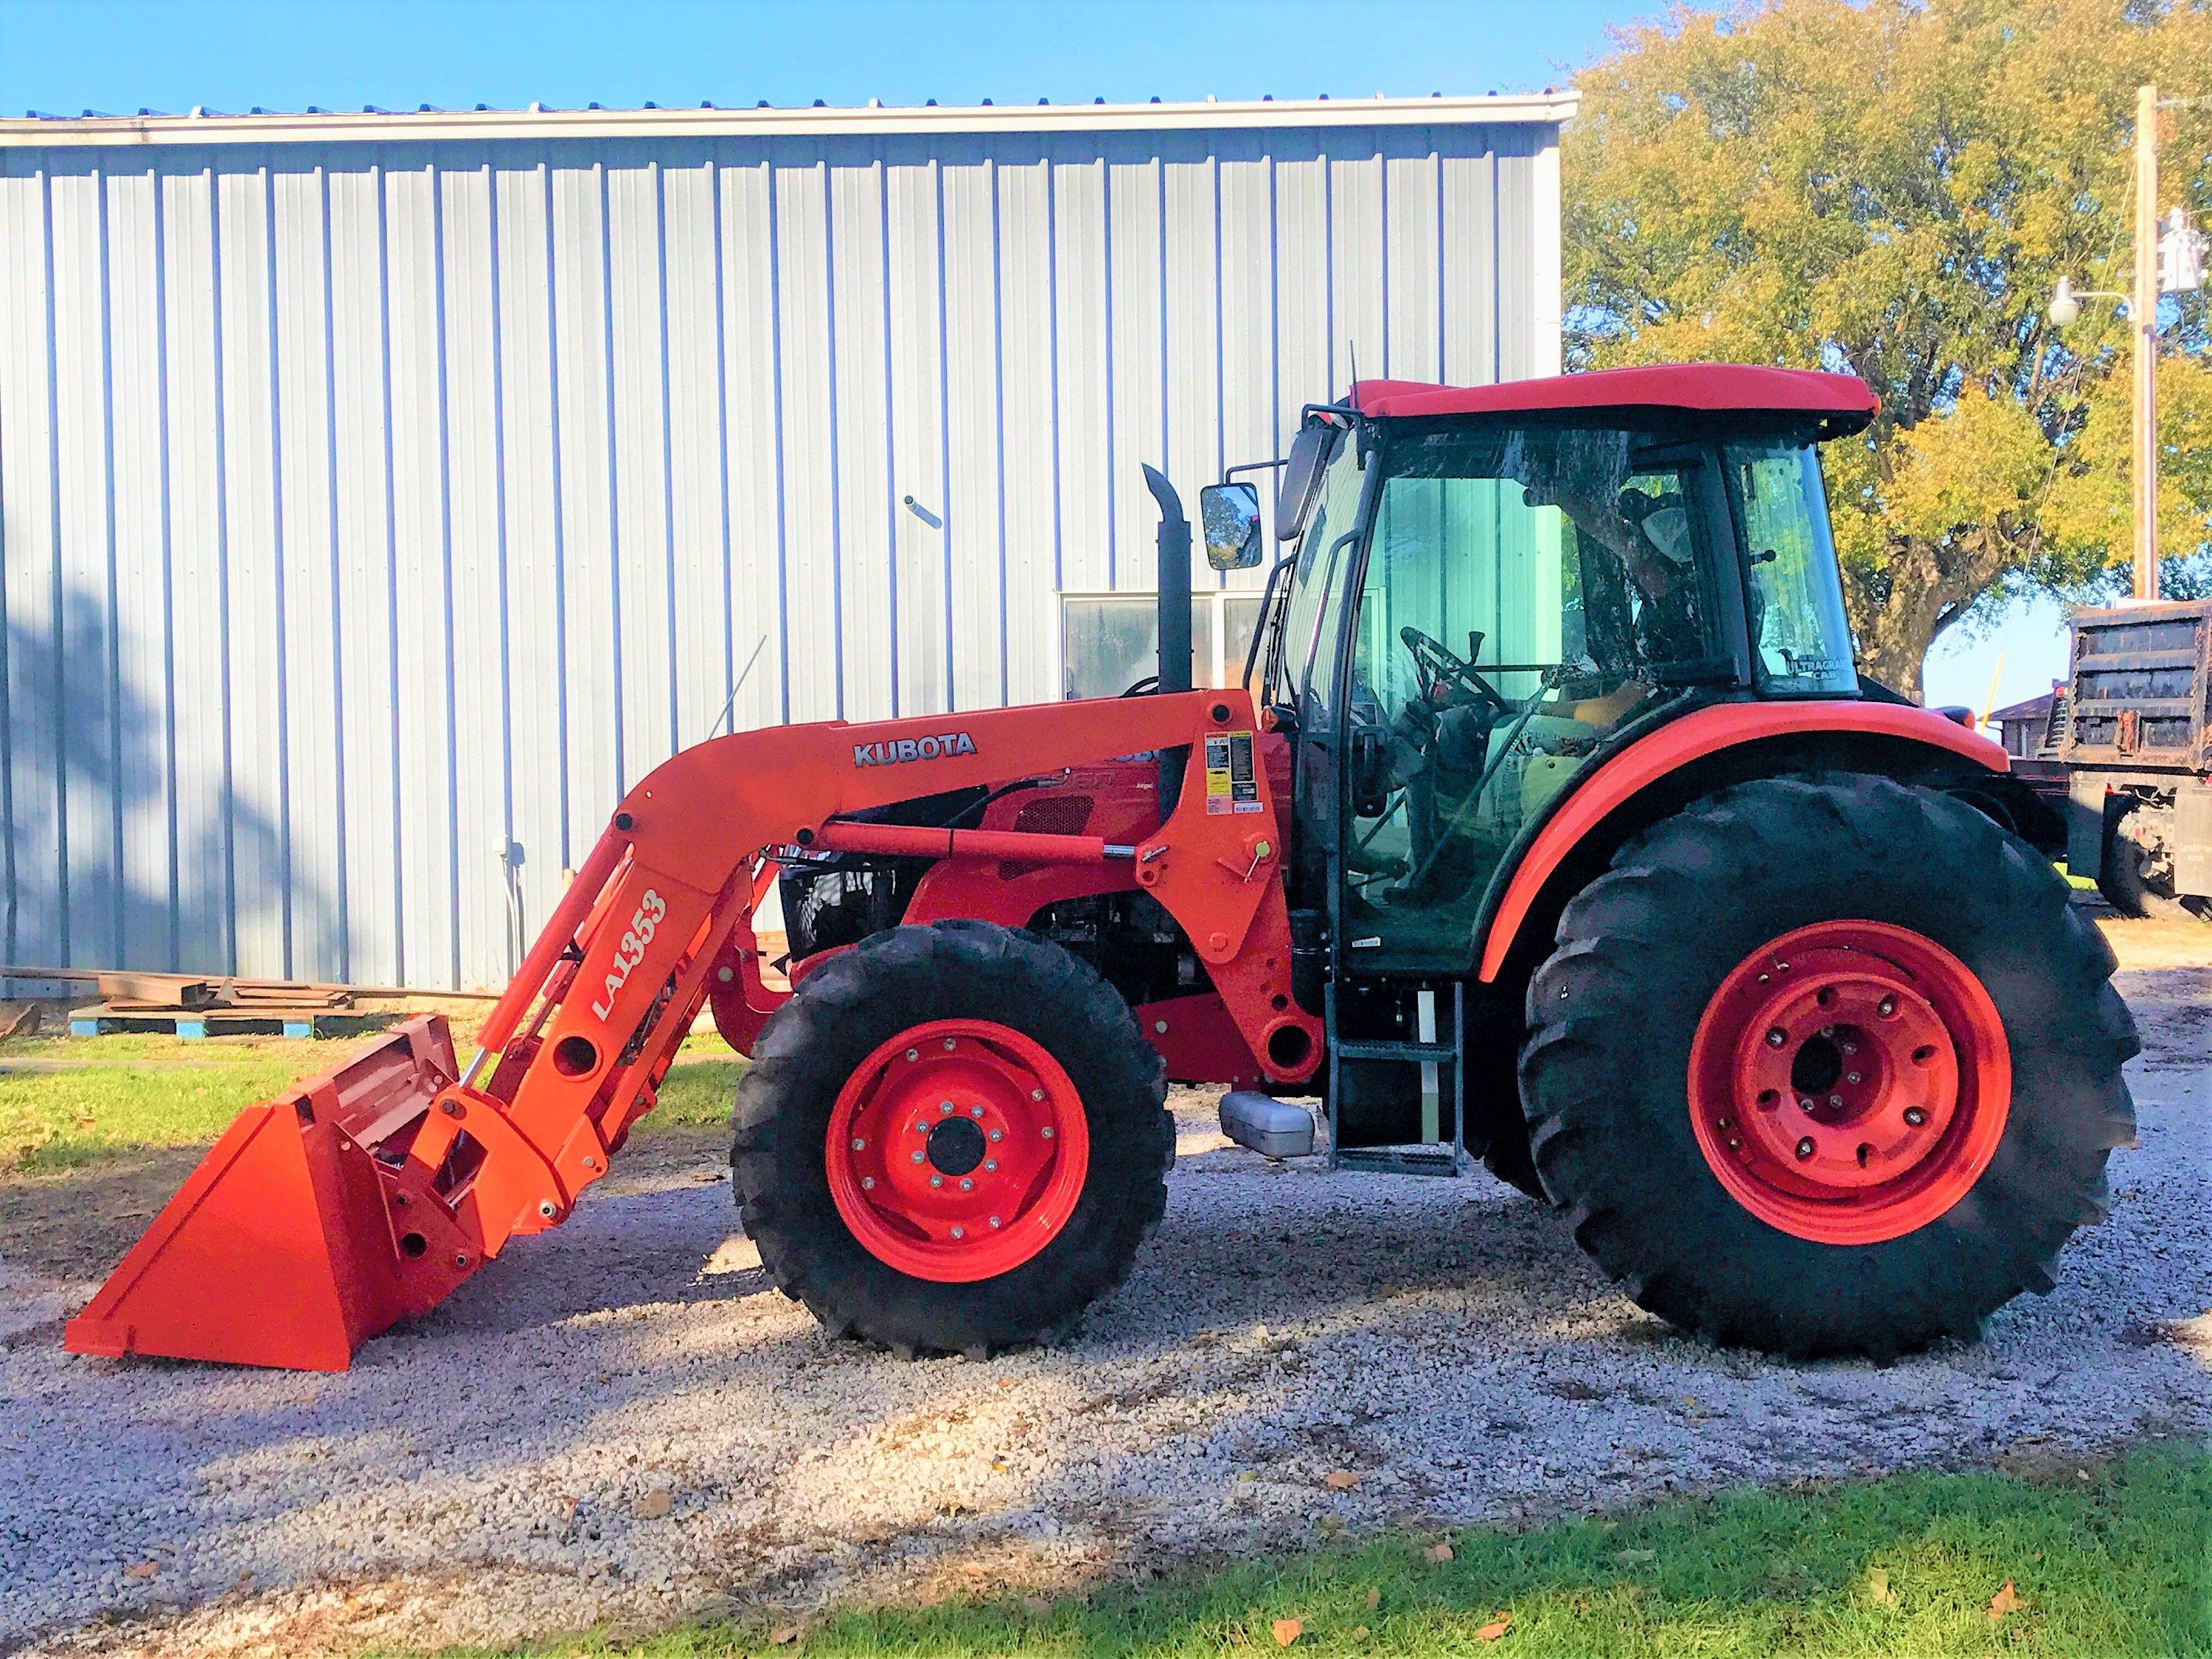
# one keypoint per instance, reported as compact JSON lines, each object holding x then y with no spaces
{"x":367,"y":1195}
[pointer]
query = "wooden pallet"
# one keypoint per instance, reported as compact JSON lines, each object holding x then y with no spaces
{"x":102,"y":1018}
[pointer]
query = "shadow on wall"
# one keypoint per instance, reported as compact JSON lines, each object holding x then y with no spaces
{"x":125,"y":840}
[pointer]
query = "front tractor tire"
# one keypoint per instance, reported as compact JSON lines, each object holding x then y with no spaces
{"x":1828,"y":1066}
{"x":952,"y":1139}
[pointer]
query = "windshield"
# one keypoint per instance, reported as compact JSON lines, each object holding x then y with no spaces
{"x":1801,"y":639}
{"x":1322,"y":556}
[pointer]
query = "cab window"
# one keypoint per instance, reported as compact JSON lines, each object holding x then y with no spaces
{"x":1801,"y":639}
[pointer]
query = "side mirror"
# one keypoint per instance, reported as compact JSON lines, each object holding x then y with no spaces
{"x":1231,"y":514}
{"x":1301,"y":480}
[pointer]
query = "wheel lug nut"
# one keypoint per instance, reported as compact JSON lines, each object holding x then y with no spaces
{"x":967,"y":1185}
{"x":948,"y":1043}
{"x":957,"y":1233}
{"x":1885,"y":1008}
{"x":946,"y":1107}
{"x":917,"y":1157}
{"x":1724,"y":1123}
{"x":998,"y":1135}
{"x":1046,"y":1132}
{"x":1804,"y":1105}
{"x":1805,"y":1149}
{"x":867,"y":1183}
{"x":1850,"y":1047}
{"x":975,"y":1111}
{"x":937,"y":1181}
{"x":1853,"y":1077}
{"x":1777,"y":1037}
{"x":990,"y":1163}
{"x":858,"y":1144}
{"x":1835,"y":1100}
{"x":913,"y":1053}
{"x":1036,"y":1094}
{"x":995,"y":1221}
{"x":1827,"y":1030}
{"x":1915,"y":1117}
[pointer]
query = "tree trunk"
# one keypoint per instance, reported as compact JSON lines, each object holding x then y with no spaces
{"x":1929,"y":588}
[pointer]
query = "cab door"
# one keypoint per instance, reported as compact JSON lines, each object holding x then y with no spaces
{"x":1502,"y":632}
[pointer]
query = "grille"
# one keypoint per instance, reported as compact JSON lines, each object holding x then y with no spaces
{"x":1048,"y":815}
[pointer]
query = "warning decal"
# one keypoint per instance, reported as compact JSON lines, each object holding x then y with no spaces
{"x":1231,"y":785}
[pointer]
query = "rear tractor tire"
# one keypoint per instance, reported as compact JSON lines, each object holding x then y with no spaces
{"x":951,"y":1139}
{"x":1826,"y":1065}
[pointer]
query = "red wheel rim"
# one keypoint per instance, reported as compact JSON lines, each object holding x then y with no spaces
{"x":958,"y":1150}
{"x":1849,"y":1082}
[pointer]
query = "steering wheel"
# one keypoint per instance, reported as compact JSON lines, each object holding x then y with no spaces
{"x":1438,"y":669}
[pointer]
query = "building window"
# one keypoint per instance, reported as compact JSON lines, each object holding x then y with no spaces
{"x":1109,"y":641}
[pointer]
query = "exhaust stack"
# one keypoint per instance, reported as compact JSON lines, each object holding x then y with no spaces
{"x":1175,"y":621}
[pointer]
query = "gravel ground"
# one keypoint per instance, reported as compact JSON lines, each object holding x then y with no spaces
{"x":622,"y":1421}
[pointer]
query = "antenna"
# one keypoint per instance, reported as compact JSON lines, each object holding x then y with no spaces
{"x":1351,"y":346}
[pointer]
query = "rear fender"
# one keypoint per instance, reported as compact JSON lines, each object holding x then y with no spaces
{"x":1705,"y":750}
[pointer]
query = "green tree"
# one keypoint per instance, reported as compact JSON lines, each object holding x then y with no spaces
{"x":1894,"y":190}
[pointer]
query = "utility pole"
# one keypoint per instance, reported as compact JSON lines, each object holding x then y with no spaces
{"x":2172,"y":264}
{"x":2142,"y":324}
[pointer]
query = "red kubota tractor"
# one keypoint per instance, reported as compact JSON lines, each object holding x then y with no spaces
{"x":1552,"y":825}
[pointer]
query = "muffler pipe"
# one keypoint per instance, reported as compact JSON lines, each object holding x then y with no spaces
{"x":1174,"y":584}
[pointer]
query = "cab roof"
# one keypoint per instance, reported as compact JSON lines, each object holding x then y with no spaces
{"x":1842,"y":403}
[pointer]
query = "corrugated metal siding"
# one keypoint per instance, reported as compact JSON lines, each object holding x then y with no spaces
{"x":367,"y":511}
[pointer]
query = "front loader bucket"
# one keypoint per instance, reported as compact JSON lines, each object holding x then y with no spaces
{"x":282,"y":1248}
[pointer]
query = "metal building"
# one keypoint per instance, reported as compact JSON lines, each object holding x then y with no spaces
{"x":380,"y":495}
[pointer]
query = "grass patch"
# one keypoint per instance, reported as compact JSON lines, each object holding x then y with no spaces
{"x":697,"y":1094}
{"x":1909,"y":1565}
{"x":64,"y":1118}
{"x":90,"y":1099}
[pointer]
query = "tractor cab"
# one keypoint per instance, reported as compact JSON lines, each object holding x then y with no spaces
{"x":1483,"y":596}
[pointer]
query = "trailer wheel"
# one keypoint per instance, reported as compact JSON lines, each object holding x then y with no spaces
{"x":952,"y":1138}
{"x":2125,"y":868}
{"x":1826,"y":1065}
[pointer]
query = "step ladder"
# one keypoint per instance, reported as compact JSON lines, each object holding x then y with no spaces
{"x":1442,"y":1066}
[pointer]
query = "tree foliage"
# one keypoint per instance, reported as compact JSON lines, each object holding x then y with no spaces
{"x":1894,"y":190}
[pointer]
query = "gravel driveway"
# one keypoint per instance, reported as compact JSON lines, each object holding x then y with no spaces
{"x":622,"y":1421}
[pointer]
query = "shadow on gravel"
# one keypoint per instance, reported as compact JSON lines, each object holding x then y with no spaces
{"x":1211,"y":1265}
{"x":76,"y":1222}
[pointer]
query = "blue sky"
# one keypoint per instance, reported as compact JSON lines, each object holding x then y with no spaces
{"x":119,"y":56}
